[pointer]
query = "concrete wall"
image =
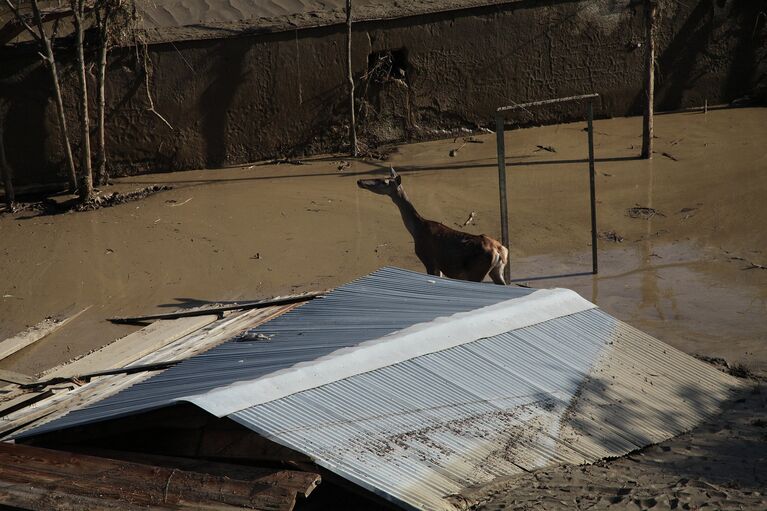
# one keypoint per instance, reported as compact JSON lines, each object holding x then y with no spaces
{"x":243,"y":99}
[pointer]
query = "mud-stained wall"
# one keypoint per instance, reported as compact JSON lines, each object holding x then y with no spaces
{"x":243,"y":99}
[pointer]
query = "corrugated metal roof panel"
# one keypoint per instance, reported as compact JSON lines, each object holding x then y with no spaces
{"x":571,"y":385}
{"x":386,"y":301}
{"x":421,"y":430}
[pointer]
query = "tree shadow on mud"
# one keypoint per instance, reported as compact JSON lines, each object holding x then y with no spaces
{"x":703,"y":436}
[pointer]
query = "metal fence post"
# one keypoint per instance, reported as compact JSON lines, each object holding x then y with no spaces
{"x":592,"y":188}
{"x":500,"y":143}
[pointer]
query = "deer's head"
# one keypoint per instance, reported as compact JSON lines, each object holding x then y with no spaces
{"x":384,"y":186}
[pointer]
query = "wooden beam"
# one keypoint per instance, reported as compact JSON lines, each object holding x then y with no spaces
{"x":132,"y":347}
{"x":22,"y":401}
{"x":200,"y":341}
{"x":277,"y":300}
{"x":14,"y":377}
{"x":303,"y":483}
{"x":78,"y":475}
{"x":34,"y":334}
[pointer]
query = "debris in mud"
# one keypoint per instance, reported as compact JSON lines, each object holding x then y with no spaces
{"x":545,"y":148}
{"x":738,"y":370}
{"x":115,"y":198}
{"x":656,"y":234}
{"x":610,"y":236}
{"x":285,"y":161}
{"x":466,"y":140}
{"x":454,"y":152}
{"x":643,"y":212}
{"x":174,"y":203}
{"x":669,"y":156}
{"x":751,"y":265}
{"x":469,"y":220}
{"x":342,"y":165}
{"x":688,"y":212}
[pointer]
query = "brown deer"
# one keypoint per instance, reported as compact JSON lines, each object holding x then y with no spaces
{"x":442,"y":250}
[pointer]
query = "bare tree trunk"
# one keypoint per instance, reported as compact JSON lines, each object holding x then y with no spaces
{"x":49,"y":57}
{"x":7,"y":174}
{"x":350,"y":77}
{"x":647,"y":126}
{"x":85,"y":190}
{"x":102,"y":19}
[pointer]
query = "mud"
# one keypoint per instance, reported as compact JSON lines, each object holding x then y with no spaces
{"x":718,"y":466}
{"x":690,"y":277}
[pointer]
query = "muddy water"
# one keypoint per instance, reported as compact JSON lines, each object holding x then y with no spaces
{"x":262,"y":230}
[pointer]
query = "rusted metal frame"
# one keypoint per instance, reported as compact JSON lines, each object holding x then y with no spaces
{"x":592,"y":188}
{"x":501,"y":145}
{"x":547,"y":102}
{"x":500,"y":142}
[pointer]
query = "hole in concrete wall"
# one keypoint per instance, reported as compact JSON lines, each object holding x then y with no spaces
{"x":387,"y":65}
{"x":385,"y":97}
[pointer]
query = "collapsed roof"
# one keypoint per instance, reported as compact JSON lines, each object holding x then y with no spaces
{"x":416,"y":387}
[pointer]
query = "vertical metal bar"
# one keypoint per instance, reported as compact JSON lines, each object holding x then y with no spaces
{"x":500,"y":143}
{"x":592,"y":189}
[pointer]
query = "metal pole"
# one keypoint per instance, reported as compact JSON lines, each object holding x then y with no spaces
{"x":650,"y":8}
{"x":502,"y":191}
{"x":592,"y":189}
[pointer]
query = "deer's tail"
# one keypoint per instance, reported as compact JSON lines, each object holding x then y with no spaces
{"x":500,"y":256}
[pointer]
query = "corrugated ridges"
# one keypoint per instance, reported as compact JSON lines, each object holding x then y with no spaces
{"x":570,"y":390}
{"x":388,"y":300}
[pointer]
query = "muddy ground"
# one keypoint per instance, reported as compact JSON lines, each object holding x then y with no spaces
{"x":690,"y":271}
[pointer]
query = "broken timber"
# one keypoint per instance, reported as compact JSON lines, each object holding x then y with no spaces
{"x":132,"y":347}
{"x":72,"y":477}
{"x":33,"y":334}
{"x":203,"y":339}
{"x":218,"y":309}
{"x":303,"y":483}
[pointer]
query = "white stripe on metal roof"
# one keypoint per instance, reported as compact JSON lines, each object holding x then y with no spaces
{"x":573,"y":389}
{"x":474,"y":382}
{"x":420,"y":339}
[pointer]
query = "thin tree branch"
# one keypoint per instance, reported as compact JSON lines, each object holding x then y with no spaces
{"x":20,"y":18}
{"x":148,"y":93}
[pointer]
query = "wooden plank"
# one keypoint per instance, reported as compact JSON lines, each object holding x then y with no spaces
{"x":22,"y":401}
{"x":303,"y":483}
{"x":14,"y":377}
{"x":31,"y":497}
{"x":200,"y":341}
{"x":132,"y":347}
{"x":33,"y":334}
{"x":277,"y":300}
{"x":134,"y":483}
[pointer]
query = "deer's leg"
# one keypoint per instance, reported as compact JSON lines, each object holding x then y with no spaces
{"x":496,"y":273}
